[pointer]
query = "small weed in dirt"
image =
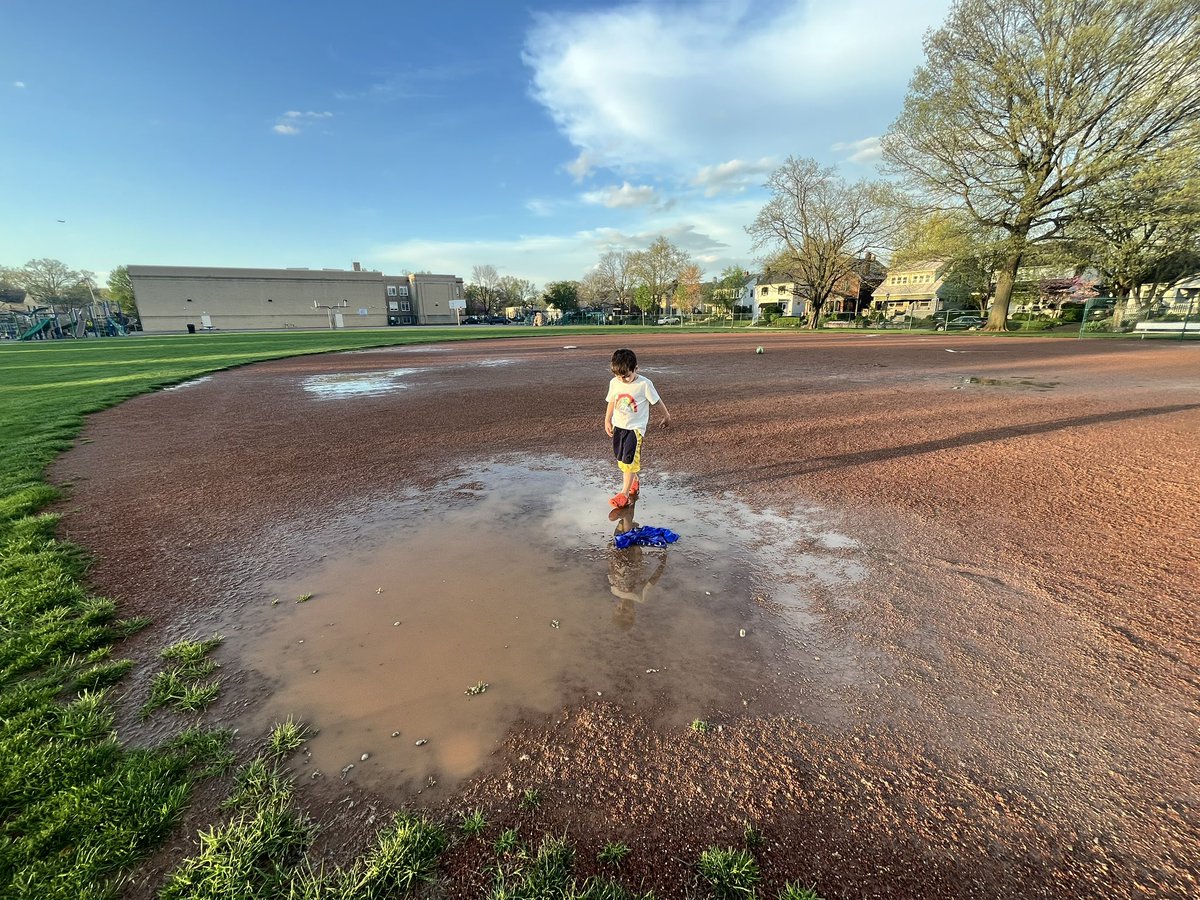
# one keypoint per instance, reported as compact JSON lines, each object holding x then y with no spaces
{"x":478,"y":688}
{"x":792,"y":891}
{"x":751,"y":835}
{"x":286,"y":737}
{"x":473,"y":822}
{"x":699,"y":726}
{"x":729,"y":872}
{"x":531,"y":798}
{"x":613,"y":852}
{"x":508,"y":843}
{"x":304,"y":598}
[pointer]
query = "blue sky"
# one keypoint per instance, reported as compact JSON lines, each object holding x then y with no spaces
{"x":428,"y":135}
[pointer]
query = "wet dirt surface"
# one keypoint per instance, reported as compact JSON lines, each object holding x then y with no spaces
{"x":1005,"y":699}
{"x":423,"y":668}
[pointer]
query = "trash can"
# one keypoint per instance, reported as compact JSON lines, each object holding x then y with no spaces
{"x":191,"y":328}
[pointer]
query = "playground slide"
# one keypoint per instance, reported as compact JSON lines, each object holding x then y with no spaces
{"x":35,"y":330}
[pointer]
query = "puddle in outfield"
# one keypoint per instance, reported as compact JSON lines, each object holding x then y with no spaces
{"x":438,"y":620}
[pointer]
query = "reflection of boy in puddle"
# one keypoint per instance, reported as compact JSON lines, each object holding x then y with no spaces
{"x":627,"y":576}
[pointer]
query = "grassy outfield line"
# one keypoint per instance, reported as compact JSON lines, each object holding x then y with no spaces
{"x":77,"y":809}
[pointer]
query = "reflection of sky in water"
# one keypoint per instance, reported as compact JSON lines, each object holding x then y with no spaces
{"x":357,"y":384}
{"x":505,"y":574}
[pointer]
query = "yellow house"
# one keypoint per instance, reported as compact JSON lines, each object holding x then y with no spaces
{"x":912,"y":291}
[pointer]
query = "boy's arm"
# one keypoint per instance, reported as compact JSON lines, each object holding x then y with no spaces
{"x":608,"y":413}
{"x":666,"y":419}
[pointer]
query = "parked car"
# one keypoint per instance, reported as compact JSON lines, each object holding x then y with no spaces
{"x":669,"y":320}
{"x":961,"y":322}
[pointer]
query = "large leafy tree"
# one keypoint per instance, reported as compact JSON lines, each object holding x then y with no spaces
{"x":1021,"y":105}
{"x":968,"y":253}
{"x":687,"y":291}
{"x":728,"y":289}
{"x":120,"y":289}
{"x":1144,"y":229}
{"x":644,"y":299}
{"x":514,"y":291}
{"x":817,"y":225}
{"x":562,"y":295}
{"x":658,"y":267}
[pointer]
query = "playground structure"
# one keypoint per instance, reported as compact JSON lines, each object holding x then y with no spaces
{"x":100,"y":318}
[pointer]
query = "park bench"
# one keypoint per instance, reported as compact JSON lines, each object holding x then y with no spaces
{"x":1149,"y":327}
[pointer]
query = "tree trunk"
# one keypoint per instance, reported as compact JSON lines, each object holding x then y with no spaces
{"x":1005,"y":279}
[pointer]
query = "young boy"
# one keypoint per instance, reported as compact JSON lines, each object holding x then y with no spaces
{"x":630,"y":397}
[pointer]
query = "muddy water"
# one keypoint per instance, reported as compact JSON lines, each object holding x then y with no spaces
{"x":437,"y":621}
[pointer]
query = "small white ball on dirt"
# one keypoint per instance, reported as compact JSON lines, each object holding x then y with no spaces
{"x":758,"y":350}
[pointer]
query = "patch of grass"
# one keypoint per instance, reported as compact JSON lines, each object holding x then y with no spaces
{"x":405,"y":857}
{"x":699,"y":726}
{"x":729,"y":872}
{"x":191,"y":651}
{"x":179,"y":685}
{"x":508,"y":842}
{"x":792,"y":891}
{"x":613,"y":853}
{"x":286,"y":737}
{"x":477,"y":688}
{"x":473,"y":822}
{"x":751,"y":835}
{"x":531,"y":798}
{"x":304,"y":598}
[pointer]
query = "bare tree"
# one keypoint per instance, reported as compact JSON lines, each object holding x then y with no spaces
{"x":816,"y":226}
{"x":487,"y":282}
{"x":1023,"y":104}
{"x":615,"y":277}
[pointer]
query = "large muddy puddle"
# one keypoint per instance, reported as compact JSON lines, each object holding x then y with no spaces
{"x":415,"y":630}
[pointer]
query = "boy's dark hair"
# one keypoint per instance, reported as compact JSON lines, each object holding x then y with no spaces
{"x":624,"y":361}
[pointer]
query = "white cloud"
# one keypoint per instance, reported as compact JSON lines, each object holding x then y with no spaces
{"x":733,"y":176}
{"x":670,"y":88}
{"x":711,"y":232}
{"x":868,"y":150}
{"x":18,"y":84}
{"x":581,"y":166}
{"x":625,"y":196}
{"x":293,"y":121}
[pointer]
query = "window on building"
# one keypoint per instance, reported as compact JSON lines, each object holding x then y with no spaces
{"x":391,"y":290}
{"x":394,"y":305}
{"x":764,"y":292}
{"x":404,"y":290}
{"x":405,"y":306}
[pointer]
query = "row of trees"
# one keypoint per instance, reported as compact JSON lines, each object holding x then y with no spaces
{"x":52,"y":283}
{"x":648,"y":280}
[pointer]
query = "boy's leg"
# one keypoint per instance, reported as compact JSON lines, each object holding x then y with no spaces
{"x":627,"y":449}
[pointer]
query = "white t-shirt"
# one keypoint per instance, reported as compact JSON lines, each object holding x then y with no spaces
{"x":633,"y":400}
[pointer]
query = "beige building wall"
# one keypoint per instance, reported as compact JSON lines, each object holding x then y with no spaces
{"x":433,"y":295}
{"x":170,"y":298}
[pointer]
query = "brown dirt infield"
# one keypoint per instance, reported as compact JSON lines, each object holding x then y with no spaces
{"x":1028,"y":721}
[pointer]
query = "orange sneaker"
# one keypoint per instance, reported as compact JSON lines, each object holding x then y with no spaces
{"x":619,"y":501}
